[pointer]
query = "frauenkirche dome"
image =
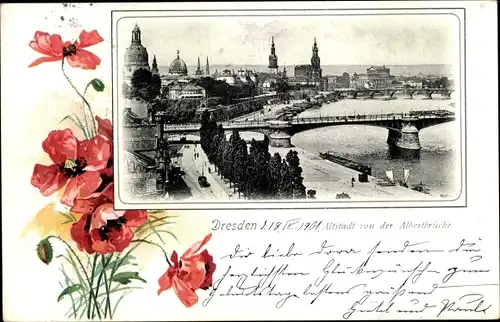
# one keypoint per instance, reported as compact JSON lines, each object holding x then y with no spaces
{"x":136,"y":55}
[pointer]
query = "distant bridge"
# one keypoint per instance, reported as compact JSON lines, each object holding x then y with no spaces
{"x":403,"y":127}
{"x":390,"y":92}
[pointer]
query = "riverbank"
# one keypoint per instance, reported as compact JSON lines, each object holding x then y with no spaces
{"x":327,"y":178}
{"x":330,"y":179}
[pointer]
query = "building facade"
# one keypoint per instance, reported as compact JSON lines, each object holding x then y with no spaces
{"x":375,"y":77}
{"x":334,"y":82}
{"x":311,"y":74}
{"x":303,"y":72}
{"x":180,"y":90}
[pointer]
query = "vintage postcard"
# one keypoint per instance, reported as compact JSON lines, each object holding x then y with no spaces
{"x":289,"y":108}
{"x":263,"y":161}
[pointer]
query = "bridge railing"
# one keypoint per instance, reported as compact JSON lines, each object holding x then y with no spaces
{"x":320,"y":119}
{"x":367,"y":117}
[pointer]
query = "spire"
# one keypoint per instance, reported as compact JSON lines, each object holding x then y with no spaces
{"x":155,"y":65}
{"x":198,"y":68}
{"x":315,"y":44}
{"x":272,"y":40}
{"x":207,"y":68}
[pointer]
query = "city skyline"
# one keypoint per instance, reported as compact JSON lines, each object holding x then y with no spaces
{"x":364,"y":40}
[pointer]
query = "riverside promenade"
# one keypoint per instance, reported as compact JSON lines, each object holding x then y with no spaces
{"x":329,"y":179}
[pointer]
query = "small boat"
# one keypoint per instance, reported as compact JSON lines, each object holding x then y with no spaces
{"x":421,"y":187}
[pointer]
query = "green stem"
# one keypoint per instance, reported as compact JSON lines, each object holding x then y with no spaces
{"x":91,"y":292}
{"x":84,"y":100}
{"x":104,"y":265}
{"x":108,"y":300}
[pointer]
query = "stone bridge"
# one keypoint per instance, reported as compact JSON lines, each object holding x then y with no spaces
{"x":390,"y":92}
{"x":403,"y":127}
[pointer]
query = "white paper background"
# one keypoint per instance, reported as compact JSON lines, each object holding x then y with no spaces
{"x":35,"y":99}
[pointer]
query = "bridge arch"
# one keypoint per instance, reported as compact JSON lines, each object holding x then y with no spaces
{"x":376,"y":92}
{"x":396,"y":91}
{"x":355,"y":94}
{"x":412,"y":92}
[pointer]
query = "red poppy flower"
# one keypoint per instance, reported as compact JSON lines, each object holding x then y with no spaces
{"x":107,"y":230}
{"x":104,"y":128}
{"x":194,"y":271}
{"x":55,"y":49}
{"x":80,"y":233}
{"x":98,"y":198}
{"x":76,"y":163}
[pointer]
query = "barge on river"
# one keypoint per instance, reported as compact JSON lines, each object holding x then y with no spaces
{"x":363,"y":168}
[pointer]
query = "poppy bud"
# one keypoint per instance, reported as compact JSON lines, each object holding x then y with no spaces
{"x":97,"y":84}
{"x":44,"y":251}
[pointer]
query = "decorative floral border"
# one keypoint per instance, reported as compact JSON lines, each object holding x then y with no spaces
{"x":99,"y":268}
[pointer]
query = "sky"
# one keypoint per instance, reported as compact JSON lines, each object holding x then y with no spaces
{"x":342,"y":40}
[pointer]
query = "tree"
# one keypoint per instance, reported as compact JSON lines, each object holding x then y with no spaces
{"x":275,"y":174}
{"x":258,"y":173}
{"x":241,"y":165}
{"x":155,"y":86}
{"x":299,"y":190}
{"x":233,"y":144}
{"x":227,"y":162}
{"x":286,"y":182}
{"x":205,"y":132}
{"x":253,"y":170}
{"x":145,"y":85}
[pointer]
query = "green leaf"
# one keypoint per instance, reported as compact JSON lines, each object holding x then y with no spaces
{"x":127,"y":277}
{"x":68,"y":290}
{"x":97,"y":84}
{"x":76,"y":121}
{"x":44,"y":251}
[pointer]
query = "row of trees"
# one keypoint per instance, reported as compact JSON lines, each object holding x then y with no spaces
{"x":177,"y":111}
{"x":228,"y":93}
{"x":253,"y":172}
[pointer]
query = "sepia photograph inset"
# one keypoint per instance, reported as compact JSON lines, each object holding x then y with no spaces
{"x":294,"y":107}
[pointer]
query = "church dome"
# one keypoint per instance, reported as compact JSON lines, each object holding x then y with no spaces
{"x":136,"y":54}
{"x":178,"y":66}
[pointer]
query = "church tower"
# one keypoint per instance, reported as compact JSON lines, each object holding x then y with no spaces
{"x":273,"y":59}
{"x":198,"y":72}
{"x":207,"y":68}
{"x":136,"y":35}
{"x":154,"y":67}
{"x":136,"y":56}
{"x":315,"y":61}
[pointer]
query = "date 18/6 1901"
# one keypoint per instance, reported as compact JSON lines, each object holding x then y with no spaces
{"x":292,"y":224}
